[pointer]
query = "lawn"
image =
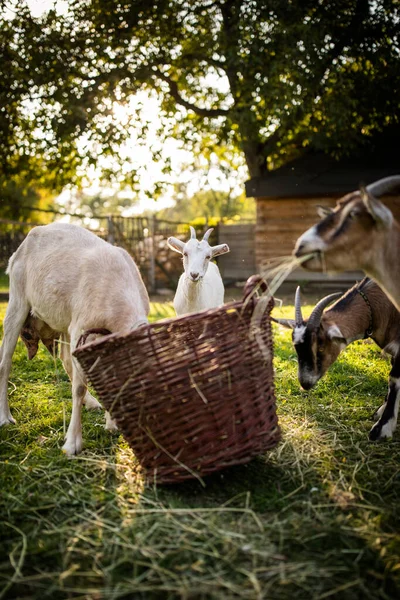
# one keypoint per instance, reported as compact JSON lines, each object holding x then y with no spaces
{"x":3,"y":281}
{"x":318,"y":517}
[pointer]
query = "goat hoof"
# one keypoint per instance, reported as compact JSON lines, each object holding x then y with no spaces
{"x":375,"y":433}
{"x":8,"y":420}
{"x":72,"y":448}
{"x":91,"y":403}
{"x":381,"y":432}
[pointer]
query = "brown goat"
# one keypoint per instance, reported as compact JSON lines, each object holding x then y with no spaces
{"x":363,"y":311}
{"x":360,"y":233}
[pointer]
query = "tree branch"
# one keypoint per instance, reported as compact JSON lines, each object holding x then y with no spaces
{"x":202,"y":112}
{"x":213,"y":62}
{"x":349,"y":35}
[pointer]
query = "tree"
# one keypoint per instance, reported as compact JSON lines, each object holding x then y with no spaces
{"x":263,"y":77}
{"x":21,"y":202}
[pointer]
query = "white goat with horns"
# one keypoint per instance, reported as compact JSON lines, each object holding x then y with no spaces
{"x":200,"y":286}
{"x":65,"y":280}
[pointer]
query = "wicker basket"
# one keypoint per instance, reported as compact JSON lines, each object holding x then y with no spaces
{"x":192,"y":394}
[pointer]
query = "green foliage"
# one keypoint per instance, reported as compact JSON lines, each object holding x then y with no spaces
{"x":317,"y":517}
{"x":23,"y":202}
{"x":3,"y":281}
{"x":210,"y":204}
{"x":265,"y":79}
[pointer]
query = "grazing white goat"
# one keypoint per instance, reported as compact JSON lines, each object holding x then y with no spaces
{"x":360,"y":233}
{"x":69,"y":280}
{"x":200,"y":286}
{"x":364,"y":311}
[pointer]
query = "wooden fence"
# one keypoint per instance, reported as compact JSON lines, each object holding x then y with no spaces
{"x":145,"y":238}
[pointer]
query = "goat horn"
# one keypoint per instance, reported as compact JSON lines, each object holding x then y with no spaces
{"x":315,"y":317}
{"x":289,"y":323}
{"x":192,"y":233}
{"x":297,"y":303}
{"x":380,"y":187}
{"x":207,"y":234}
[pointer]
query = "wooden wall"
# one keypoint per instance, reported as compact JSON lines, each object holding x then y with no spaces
{"x":280,"y":221}
{"x":239,"y":263}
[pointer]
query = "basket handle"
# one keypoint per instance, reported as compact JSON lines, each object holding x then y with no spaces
{"x":254,"y":284}
{"x":85,"y":335}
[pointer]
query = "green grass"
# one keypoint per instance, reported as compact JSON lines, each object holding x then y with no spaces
{"x":318,"y":517}
{"x":3,"y":281}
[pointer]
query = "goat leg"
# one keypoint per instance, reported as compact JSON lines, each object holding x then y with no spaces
{"x":386,"y":425}
{"x":16,"y":314}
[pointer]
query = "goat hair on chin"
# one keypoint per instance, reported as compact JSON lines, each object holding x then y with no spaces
{"x":360,"y":233}
{"x":65,"y":280}
{"x":364,"y":311}
{"x":200,"y":286}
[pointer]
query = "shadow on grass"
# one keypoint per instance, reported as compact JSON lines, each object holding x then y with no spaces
{"x":87,"y":528}
{"x":315,"y":518}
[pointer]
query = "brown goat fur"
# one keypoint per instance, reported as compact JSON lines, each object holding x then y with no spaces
{"x":360,"y":233}
{"x":363,"y":311}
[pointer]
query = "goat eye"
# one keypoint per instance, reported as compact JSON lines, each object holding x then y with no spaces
{"x":208,"y":257}
{"x":185,"y":254}
{"x":353,"y":214}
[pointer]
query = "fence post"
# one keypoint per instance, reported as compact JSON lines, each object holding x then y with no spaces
{"x":110,"y":230}
{"x":152,"y":257}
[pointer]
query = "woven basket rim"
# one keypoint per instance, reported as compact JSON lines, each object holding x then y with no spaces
{"x":140,"y":331}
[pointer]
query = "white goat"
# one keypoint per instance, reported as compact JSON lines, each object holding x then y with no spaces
{"x":70,"y":280}
{"x":200,"y":286}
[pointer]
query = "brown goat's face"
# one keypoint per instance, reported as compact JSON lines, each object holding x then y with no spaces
{"x":317,"y":349}
{"x":343,"y":240}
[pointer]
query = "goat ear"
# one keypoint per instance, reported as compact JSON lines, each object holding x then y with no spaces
{"x":377,"y":210}
{"x":220,"y":249}
{"x":288,"y":323}
{"x":334,"y":332}
{"x":175,"y":244}
{"x":324,"y":211}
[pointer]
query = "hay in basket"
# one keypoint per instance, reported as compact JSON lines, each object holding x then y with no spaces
{"x":192,"y":394}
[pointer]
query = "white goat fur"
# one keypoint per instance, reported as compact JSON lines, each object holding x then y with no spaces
{"x":200,"y":286}
{"x":72,"y":280}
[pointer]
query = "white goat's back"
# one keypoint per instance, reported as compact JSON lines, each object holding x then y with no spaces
{"x":70,"y":274}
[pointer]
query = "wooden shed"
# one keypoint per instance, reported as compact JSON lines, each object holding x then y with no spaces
{"x":287,"y":201}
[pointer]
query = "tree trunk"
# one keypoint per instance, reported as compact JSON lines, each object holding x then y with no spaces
{"x":255,"y":159}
